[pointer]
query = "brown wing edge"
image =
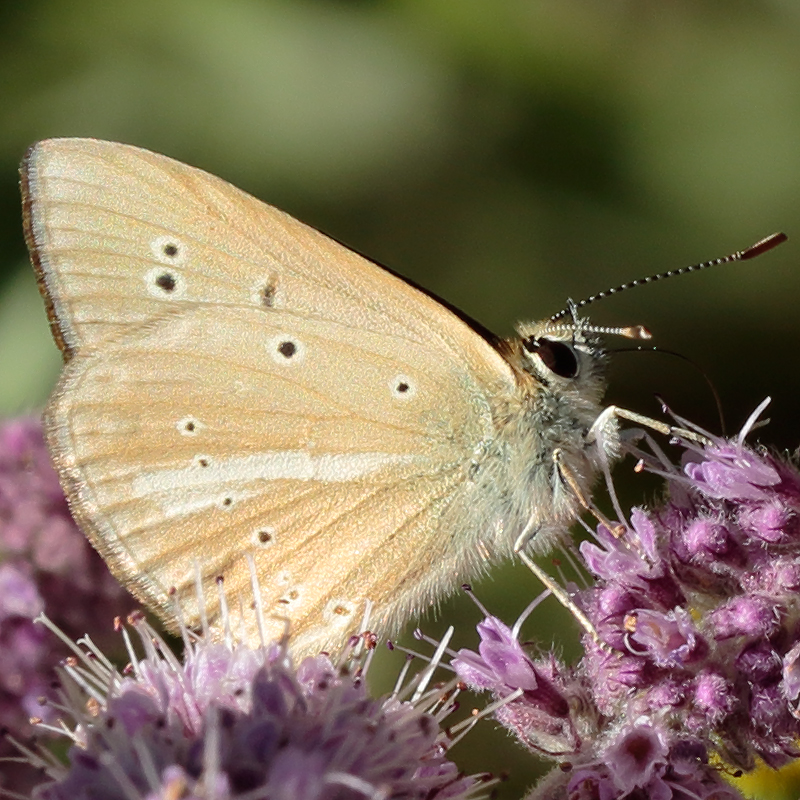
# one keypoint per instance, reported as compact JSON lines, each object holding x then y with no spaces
{"x":71,"y":482}
{"x":28,"y":177}
{"x":69,"y":478}
{"x":490,"y":337}
{"x":119,"y":561}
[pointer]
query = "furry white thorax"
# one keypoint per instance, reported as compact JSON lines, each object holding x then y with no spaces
{"x":553,"y":413}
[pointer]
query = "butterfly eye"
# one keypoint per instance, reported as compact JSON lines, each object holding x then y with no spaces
{"x":558,"y":357}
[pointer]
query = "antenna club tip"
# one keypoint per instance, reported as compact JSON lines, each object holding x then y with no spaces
{"x":763,"y":245}
{"x":636,"y":332}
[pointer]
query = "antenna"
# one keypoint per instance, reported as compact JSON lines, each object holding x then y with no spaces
{"x":754,"y":250}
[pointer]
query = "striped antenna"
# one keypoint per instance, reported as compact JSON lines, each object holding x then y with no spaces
{"x":757,"y":249}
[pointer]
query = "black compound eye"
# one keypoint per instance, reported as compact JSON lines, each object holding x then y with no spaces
{"x":558,"y":357}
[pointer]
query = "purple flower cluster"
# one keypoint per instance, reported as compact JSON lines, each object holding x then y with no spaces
{"x":231,"y":721}
{"x":46,"y":564}
{"x":693,"y":666}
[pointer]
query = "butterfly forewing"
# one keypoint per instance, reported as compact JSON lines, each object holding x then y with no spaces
{"x":240,"y":385}
{"x":119,"y":232}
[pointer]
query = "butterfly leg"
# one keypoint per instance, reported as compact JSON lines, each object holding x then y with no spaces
{"x":615,"y":412}
{"x":563,"y":597}
{"x":560,"y":594}
{"x":597,"y":433}
{"x":566,"y":475}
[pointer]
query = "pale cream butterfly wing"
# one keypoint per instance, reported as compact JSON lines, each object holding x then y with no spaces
{"x":237,"y":383}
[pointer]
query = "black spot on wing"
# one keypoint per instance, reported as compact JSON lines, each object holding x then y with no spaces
{"x":268,"y":294}
{"x":287,"y":349}
{"x":166,"y":282}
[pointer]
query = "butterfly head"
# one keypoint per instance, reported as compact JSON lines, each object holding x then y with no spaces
{"x":565,"y":357}
{"x":560,"y":365}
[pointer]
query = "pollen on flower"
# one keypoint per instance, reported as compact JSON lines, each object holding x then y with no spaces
{"x":692,"y":670}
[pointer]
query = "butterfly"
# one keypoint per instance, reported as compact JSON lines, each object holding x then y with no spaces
{"x":241,"y":393}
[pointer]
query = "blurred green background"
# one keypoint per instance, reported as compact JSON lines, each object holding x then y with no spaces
{"x":506,"y":155}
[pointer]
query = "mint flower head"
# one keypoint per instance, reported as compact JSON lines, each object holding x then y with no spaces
{"x":691,"y":671}
{"x":46,"y":565}
{"x":230,"y":721}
